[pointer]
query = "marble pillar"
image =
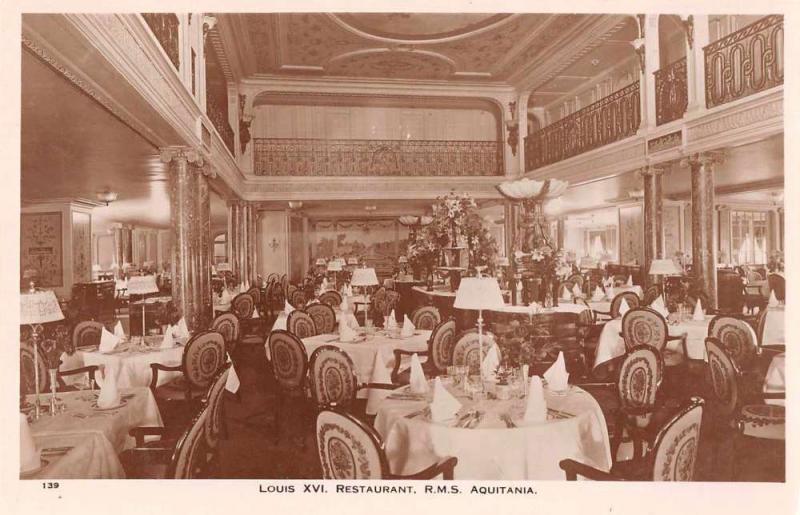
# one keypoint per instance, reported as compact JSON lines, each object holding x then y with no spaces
{"x":704,"y":248}
{"x":653,"y":223}
{"x":233,"y":236}
{"x":205,"y":249}
{"x":123,"y":245}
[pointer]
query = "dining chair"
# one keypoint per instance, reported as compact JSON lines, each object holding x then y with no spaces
{"x":300,"y":323}
{"x":255,"y":292}
{"x":630,"y":297}
{"x":439,"y":353}
{"x":297,"y":297}
{"x":86,"y":334}
{"x":333,"y":380}
{"x":27,"y":370}
{"x":227,"y":324}
{"x":324,"y":317}
{"x":276,"y":297}
{"x":331,"y":297}
{"x":425,"y":317}
{"x":737,"y":337}
{"x":651,"y":294}
{"x":645,"y":326}
{"x":243,"y":306}
{"x":349,"y":449}
{"x":290,"y":369}
{"x":764,"y":348}
{"x":673,"y":456}
{"x":465,"y":350}
{"x":777,"y":284}
{"x":203,"y":358}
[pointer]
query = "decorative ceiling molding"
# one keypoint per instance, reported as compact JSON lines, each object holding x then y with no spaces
{"x":354,"y":24}
{"x":222,"y":57}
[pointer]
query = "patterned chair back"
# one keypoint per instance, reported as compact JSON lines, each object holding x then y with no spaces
{"x":203,"y":358}
{"x":285,"y":283}
{"x":301,"y":324}
{"x":86,"y":334}
{"x":243,"y":306}
{"x":737,"y":337}
{"x":639,"y":379}
{"x":777,"y":283}
{"x":256,"y":294}
{"x":675,"y":448}
{"x":348,"y":448}
{"x":441,"y":343}
{"x":323,"y":316}
{"x":272,"y":278}
{"x":651,"y":294}
{"x":331,"y":297}
{"x":227,"y":325}
{"x":214,"y":397}
{"x":723,"y":374}
{"x":289,"y":360}
{"x":465,"y":351}
{"x":753,"y":276}
{"x":332,"y":377}
{"x":275,"y":295}
{"x":27,"y":369}
{"x":577,"y":279}
{"x":761,"y":324}
{"x":630,"y":297}
{"x":426,"y":318}
{"x":189,"y":459}
{"x":644,"y":326}
{"x":297,"y":298}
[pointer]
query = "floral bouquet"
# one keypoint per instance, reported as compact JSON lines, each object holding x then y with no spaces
{"x":168,"y":315}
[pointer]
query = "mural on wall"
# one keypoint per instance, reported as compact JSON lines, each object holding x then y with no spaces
{"x":631,"y":235}
{"x":81,"y":247}
{"x":40,"y":247}
{"x":378,"y":242}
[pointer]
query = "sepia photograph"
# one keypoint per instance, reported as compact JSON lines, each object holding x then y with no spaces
{"x":463,"y":252}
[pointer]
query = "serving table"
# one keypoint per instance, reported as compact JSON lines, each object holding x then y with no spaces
{"x":498,"y":444}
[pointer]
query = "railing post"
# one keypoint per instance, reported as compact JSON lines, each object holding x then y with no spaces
{"x":695,"y":64}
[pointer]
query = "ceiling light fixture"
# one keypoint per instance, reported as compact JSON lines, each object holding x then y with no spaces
{"x":107,"y":196}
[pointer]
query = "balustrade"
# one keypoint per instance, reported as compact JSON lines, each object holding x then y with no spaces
{"x":165,"y":29}
{"x":672,"y":95}
{"x":217,"y":116}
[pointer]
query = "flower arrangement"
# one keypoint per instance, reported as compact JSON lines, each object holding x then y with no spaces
{"x":423,"y":250}
{"x":168,"y":315}
{"x":450,"y":214}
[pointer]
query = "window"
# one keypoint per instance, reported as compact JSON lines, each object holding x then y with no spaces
{"x":221,"y":248}
{"x":749,"y":237}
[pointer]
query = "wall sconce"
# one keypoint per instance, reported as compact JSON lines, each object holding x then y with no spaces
{"x":688,"y":27}
{"x":274,"y":244}
{"x":106,"y":196}
{"x":512,"y":126}
{"x":638,"y":47}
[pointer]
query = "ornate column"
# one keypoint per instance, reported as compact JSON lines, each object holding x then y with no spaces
{"x":204,"y":243}
{"x":704,"y":248}
{"x":510,"y":220}
{"x":653,"y":225}
{"x":234,"y":235}
{"x":253,"y":243}
{"x":188,"y":192}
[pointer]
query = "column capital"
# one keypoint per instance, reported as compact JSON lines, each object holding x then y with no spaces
{"x":651,"y":170}
{"x":707,"y":158}
{"x":188,"y":154}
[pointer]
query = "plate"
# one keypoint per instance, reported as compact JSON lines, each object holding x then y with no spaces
{"x":30,"y":473}
{"x":122,"y":403}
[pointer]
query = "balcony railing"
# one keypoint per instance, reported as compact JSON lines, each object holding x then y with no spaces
{"x":220,"y":121}
{"x":745,"y":62}
{"x":165,"y":29}
{"x":671,"y":92}
{"x":610,"y":119}
{"x":330,"y":157}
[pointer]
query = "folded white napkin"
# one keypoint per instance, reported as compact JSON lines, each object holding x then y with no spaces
{"x":698,"y":314}
{"x":391,"y":323}
{"x":417,"y":381}
{"x":119,"y":332}
{"x":324,"y":286}
{"x":576,"y":290}
{"x":610,"y":292}
{"x":29,"y":456}
{"x":344,"y":307}
{"x":773,"y":300}
{"x":352,"y":321}
{"x":225,"y":298}
{"x":556,"y":376}
{"x":598,"y":293}
{"x":168,"y":342}
{"x":630,"y":280}
{"x":255,"y":314}
{"x":408,"y":328}
{"x":109,"y":393}
{"x":346,"y":334}
{"x":565,"y":294}
{"x":183,"y":330}
{"x":444,"y":405}
{"x":659,"y":306}
{"x":490,"y":363}
{"x":232,"y":383}
{"x":287,"y":308}
{"x":107,"y":341}
{"x":536,"y":406}
{"x":623,"y":307}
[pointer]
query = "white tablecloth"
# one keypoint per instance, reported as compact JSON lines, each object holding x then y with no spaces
{"x":97,"y":436}
{"x":133,"y":365}
{"x":774,"y":328}
{"x":611,"y":345}
{"x":775,"y":380}
{"x":492,"y":450}
{"x":282,"y":318}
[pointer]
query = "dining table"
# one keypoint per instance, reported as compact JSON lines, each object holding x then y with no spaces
{"x":132,"y":361}
{"x":83,"y":441}
{"x":495,"y":442}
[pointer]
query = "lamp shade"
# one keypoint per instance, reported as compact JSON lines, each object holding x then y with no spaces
{"x":39,"y":307}
{"x":664,"y":267}
{"x":408,"y":220}
{"x":479,"y":293}
{"x":352,"y":261}
{"x":334,"y":265}
{"x":142,"y":285}
{"x":223,"y":267}
{"x":364,"y":277}
{"x":320,"y":262}
{"x":502,"y":261}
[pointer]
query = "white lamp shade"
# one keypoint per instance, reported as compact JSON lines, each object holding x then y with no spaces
{"x":39,"y":308}
{"x":142,"y":285}
{"x":408,"y":220}
{"x":364,"y":277}
{"x":502,"y":261}
{"x":664,"y":267}
{"x":334,"y":265}
{"x":223,"y":267}
{"x":479,"y":293}
{"x":352,"y":261}
{"x":402,"y":259}
{"x":320,"y":262}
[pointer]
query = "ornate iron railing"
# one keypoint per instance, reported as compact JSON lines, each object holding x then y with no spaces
{"x":217,"y":116}
{"x":332,"y":157}
{"x":165,"y":29}
{"x":672,"y":94}
{"x":610,"y":119}
{"x":745,"y":62}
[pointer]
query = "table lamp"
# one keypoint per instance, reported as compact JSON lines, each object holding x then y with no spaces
{"x":335,"y":266}
{"x":479,"y":293}
{"x":364,"y":277}
{"x":223,"y":267}
{"x":142,"y":285}
{"x":37,"y":308}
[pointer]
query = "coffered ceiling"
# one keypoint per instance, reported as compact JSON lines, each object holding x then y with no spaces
{"x":458,"y":47}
